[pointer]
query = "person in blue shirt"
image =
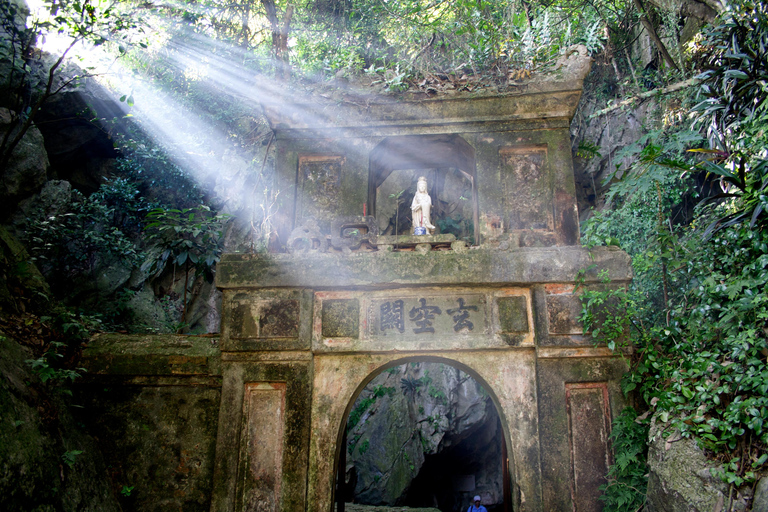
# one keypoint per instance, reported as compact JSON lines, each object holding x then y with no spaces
{"x":476,"y":506}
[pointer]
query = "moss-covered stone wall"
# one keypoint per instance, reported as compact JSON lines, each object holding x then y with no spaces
{"x":152,"y":405}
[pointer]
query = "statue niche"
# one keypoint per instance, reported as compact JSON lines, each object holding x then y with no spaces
{"x":447,"y":165}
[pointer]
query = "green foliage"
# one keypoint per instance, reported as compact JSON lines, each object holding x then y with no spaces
{"x":607,"y":313}
{"x":588,"y":149}
{"x":627,"y":477}
{"x":697,"y":311}
{"x":70,"y":457}
{"x":409,"y":462}
{"x":191,"y":238}
{"x":68,"y":330}
{"x":363,"y":447}
{"x":157,"y":178}
{"x":713,"y":347}
{"x":410,"y":386}
{"x":183,"y":237}
{"x":352,"y":442}
{"x":734,"y":111}
{"x":48,"y":366}
{"x":96,"y":228}
{"x":126,"y":490}
{"x":438,"y":394}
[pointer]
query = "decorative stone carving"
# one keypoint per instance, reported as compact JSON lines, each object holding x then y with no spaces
{"x":421,"y":208}
{"x":348,"y":233}
{"x":307,"y":238}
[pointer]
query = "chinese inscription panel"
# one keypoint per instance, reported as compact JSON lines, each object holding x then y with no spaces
{"x":424,"y":316}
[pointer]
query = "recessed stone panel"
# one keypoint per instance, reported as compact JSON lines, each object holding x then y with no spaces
{"x":341,"y":318}
{"x":261,"y":454}
{"x":279,"y":318}
{"x":563,"y":312}
{"x":589,"y":429}
{"x":319,"y":189}
{"x":244,"y":324}
{"x":527,"y":191}
{"x":513,"y":314}
{"x":421,"y":319}
{"x":260,"y":318}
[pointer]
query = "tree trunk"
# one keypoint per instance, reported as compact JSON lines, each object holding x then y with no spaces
{"x":280,"y":30}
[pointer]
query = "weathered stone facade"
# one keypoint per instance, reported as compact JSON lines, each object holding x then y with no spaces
{"x":304,"y":332}
{"x":503,"y":310}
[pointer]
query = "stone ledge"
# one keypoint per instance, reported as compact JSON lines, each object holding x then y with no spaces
{"x":370,"y":269}
{"x":125,"y":354}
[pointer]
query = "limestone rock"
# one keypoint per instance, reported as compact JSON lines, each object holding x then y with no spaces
{"x":79,"y":149}
{"x":421,"y":428}
{"x":760,"y":502}
{"x":615,"y":131}
{"x":146,"y":311}
{"x":680,"y":477}
{"x":20,"y":280}
{"x":7,"y":57}
{"x":574,"y":64}
{"x":36,"y":429}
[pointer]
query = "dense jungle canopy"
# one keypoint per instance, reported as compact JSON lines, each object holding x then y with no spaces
{"x":174,"y":92}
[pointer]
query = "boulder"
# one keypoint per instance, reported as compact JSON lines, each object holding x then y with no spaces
{"x":146,"y":312}
{"x":760,"y":501}
{"x":681,"y":478}
{"x":574,"y":64}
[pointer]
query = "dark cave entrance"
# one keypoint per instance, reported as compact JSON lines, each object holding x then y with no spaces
{"x":423,"y":434}
{"x":460,"y":468}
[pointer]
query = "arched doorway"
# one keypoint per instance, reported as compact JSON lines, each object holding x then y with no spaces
{"x":423,"y":432}
{"x":448,"y":162}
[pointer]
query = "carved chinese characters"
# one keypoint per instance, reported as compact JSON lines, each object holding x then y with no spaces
{"x":422,"y":319}
{"x":392,"y":316}
{"x":425,"y":315}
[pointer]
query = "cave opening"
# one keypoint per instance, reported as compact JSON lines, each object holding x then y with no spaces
{"x":423,"y":435}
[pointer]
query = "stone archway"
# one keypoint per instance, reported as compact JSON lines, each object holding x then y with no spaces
{"x":303,"y":332}
{"x":505,"y":462}
{"x":510,"y":382}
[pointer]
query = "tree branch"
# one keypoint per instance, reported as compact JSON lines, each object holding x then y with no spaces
{"x":656,"y":92}
{"x":654,"y":36}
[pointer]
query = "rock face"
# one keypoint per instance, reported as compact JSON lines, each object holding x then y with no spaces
{"x":46,"y":461}
{"x":26,"y":171}
{"x":424,"y":435}
{"x":681,"y":480}
{"x":80,"y":149}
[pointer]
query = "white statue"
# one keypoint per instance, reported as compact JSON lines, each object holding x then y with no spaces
{"x":421,"y":207}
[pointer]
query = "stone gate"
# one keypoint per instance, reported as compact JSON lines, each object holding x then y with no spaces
{"x":304,"y":331}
